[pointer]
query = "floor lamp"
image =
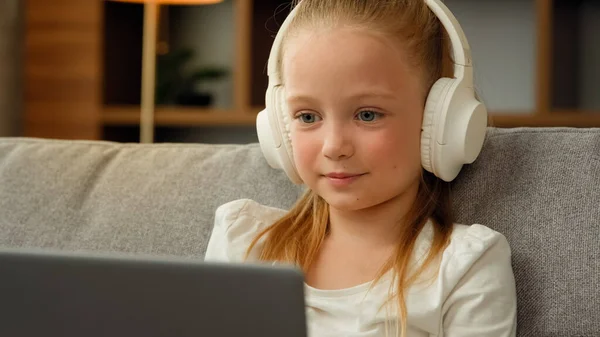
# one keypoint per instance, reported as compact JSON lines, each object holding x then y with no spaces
{"x":149,"y":60}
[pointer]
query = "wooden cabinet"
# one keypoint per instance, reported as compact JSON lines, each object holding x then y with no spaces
{"x":535,"y":62}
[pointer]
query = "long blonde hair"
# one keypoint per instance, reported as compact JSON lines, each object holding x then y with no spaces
{"x":297,"y":237}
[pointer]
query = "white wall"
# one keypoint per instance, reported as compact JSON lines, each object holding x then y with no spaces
{"x":10,"y":83}
{"x":502,"y":39}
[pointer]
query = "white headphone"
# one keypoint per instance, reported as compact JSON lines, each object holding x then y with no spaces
{"x":454,"y":121}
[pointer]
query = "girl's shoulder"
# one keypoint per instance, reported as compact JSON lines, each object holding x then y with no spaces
{"x":245,"y":213}
{"x":474,"y":286}
{"x":477,"y":257}
{"x":236,"y":225}
{"x":478,"y":283}
{"x":467,"y":243}
{"x":475,"y":240}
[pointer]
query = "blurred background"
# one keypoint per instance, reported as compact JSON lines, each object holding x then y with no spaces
{"x":71,"y":69}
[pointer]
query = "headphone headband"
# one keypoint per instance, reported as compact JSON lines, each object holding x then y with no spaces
{"x":461,"y":50}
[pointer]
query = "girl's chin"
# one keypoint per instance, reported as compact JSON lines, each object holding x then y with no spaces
{"x":347,"y":202}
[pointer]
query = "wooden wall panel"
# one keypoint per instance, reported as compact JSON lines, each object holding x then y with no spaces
{"x":10,"y":68}
{"x":63,"y":75}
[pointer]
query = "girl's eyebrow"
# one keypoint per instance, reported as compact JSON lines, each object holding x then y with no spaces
{"x":301,"y":99}
{"x":380,"y":94}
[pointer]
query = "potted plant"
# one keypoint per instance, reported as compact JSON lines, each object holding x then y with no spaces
{"x":177,"y":85}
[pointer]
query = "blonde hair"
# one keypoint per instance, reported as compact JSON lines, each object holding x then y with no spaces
{"x":297,"y":237}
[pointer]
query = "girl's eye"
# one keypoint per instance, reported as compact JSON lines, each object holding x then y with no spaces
{"x":368,"y":115}
{"x":308,"y":118}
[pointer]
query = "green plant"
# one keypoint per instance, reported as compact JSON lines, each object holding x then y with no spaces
{"x":172,"y":79}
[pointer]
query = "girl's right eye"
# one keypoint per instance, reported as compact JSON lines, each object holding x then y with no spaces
{"x":308,"y":118}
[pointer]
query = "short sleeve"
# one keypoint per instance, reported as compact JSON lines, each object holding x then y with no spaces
{"x":225,"y":216}
{"x":483,"y":302}
{"x":236,"y":225}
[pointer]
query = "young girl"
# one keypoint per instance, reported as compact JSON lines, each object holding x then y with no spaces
{"x":355,"y":84}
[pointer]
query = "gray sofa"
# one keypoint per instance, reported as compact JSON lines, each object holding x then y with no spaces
{"x":539,"y":187}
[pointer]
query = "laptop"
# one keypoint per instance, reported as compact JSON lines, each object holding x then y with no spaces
{"x":52,"y":293}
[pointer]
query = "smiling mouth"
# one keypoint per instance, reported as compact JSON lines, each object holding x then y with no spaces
{"x":343,"y":175}
{"x":342,"y":180}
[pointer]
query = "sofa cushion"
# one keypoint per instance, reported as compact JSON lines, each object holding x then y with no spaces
{"x":539,"y":187}
{"x":135,"y":198}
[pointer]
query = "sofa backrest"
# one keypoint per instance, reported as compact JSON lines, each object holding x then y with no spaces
{"x":537,"y":186}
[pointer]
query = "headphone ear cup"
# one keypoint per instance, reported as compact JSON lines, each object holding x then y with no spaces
{"x":285,"y":123}
{"x":285,"y":152}
{"x":431,"y":120}
{"x":266,"y":139}
{"x":273,"y":129}
{"x":267,"y":129}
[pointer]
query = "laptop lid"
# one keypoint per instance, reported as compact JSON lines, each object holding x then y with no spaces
{"x":50,"y":293}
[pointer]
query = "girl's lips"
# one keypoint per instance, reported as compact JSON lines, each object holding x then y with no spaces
{"x":340,"y":180}
{"x":341,"y":175}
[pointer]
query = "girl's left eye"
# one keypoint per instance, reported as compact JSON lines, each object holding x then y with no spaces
{"x":368,"y":115}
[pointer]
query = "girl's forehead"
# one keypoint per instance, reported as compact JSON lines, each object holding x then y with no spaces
{"x":331,"y":40}
{"x":338,"y":56}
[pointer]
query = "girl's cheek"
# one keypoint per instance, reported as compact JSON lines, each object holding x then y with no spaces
{"x":304,"y":148}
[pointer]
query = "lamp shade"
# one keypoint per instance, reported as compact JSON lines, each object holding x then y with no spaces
{"x":174,"y":2}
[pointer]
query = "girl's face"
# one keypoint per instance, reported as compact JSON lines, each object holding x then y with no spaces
{"x":356,"y":108}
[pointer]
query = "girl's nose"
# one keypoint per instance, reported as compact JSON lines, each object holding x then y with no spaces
{"x":337,"y":144}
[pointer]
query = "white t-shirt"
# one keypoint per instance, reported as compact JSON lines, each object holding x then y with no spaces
{"x":473,"y":293}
